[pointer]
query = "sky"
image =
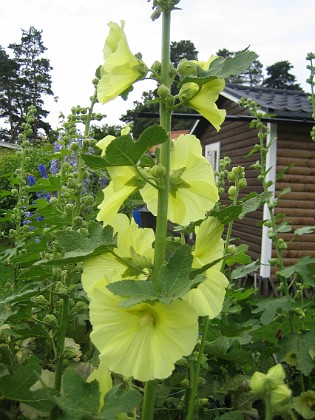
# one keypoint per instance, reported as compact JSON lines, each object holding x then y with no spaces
{"x":74,"y":32}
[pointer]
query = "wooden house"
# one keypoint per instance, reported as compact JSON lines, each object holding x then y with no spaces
{"x":290,"y":144}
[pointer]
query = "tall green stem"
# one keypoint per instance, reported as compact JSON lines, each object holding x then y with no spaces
{"x":165,"y":122}
{"x":161,"y":221}
{"x":194,"y":381}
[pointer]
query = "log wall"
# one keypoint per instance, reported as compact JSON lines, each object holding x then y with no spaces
{"x":237,"y":141}
{"x":296,"y":147}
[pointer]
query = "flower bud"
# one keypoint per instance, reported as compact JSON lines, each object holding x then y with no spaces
{"x":187,"y":68}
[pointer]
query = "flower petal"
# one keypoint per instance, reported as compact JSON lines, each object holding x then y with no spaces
{"x":143,"y":341}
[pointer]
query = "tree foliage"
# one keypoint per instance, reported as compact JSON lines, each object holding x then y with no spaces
{"x":24,"y":81}
{"x":279,"y":77}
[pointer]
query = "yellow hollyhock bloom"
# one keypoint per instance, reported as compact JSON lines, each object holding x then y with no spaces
{"x":193,"y":190}
{"x":134,"y":246}
{"x":103,"y":376}
{"x":116,"y":192}
{"x":121,"y":68}
{"x":208,"y":297}
{"x":202,"y":98}
{"x":145,"y":340}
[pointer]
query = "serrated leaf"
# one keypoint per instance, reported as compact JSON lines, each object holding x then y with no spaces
{"x":16,"y":387}
{"x":299,"y":345}
{"x":303,"y":268}
{"x":304,"y":230}
{"x":119,"y":401}
{"x":50,"y":184}
{"x":79,"y":398}
{"x":284,"y":228}
{"x":173,"y":281}
{"x":175,"y":274}
{"x":270,"y":307}
{"x":135,"y":291}
{"x":239,"y":256}
{"x":254,"y":203}
{"x":223,"y":68}
{"x":93,"y":162}
{"x":227,"y":214}
{"x":124,"y":151}
{"x":77,"y":247}
{"x":244,"y":270}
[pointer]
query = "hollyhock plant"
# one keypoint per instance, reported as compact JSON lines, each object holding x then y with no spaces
{"x":121,"y":68}
{"x":145,"y":340}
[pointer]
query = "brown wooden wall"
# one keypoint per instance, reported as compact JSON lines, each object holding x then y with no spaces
{"x":296,"y":147}
{"x":236,"y":142}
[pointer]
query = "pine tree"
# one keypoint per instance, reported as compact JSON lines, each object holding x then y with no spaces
{"x":279,"y":77}
{"x":34,"y":79}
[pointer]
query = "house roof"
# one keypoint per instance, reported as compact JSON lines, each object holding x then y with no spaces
{"x":10,"y":145}
{"x":282,"y":102}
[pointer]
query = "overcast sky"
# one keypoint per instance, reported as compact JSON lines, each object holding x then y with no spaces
{"x":74,"y":32}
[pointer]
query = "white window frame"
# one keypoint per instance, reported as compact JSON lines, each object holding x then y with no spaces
{"x":212,"y":153}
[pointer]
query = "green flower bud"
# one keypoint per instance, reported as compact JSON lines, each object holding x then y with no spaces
{"x":163,"y":91}
{"x":188,"y":91}
{"x":187,"y":68}
{"x":51,"y":320}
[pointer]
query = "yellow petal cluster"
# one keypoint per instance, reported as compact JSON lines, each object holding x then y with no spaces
{"x":208,"y":297}
{"x":198,"y":192}
{"x":145,"y":340}
{"x":134,"y":245}
{"x":121,"y":68}
{"x":202,"y":97}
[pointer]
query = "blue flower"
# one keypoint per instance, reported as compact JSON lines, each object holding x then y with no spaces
{"x":42,"y":170}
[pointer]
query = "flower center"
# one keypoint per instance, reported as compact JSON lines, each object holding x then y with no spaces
{"x":148,"y":317}
{"x":176,"y":182}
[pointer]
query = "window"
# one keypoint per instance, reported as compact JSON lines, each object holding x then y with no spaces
{"x":212,"y":153}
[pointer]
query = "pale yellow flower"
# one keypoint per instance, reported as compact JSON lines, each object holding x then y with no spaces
{"x":208,"y":297}
{"x":202,"y":98}
{"x":145,"y":340}
{"x":193,"y":190}
{"x":121,"y":68}
{"x":134,"y":247}
{"x":103,"y":376}
{"x":116,"y":193}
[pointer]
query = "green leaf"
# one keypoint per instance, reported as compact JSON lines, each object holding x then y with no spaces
{"x":227,"y":214}
{"x":271,"y":306}
{"x":119,"y":401}
{"x":302,"y":269}
{"x":135,"y":291}
{"x":51,"y":184}
{"x":173,"y":278}
{"x":223,"y":68}
{"x":244,"y":270}
{"x":79,"y":398}
{"x":239,"y":256}
{"x":304,"y":230}
{"x":173,"y":281}
{"x":284,"y":228}
{"x":16,"y":387}
{"x":123,"y":151}
{"x":94,"y":162}
{"x":254,"y":203}
{"x":298,"y":350}
{"x":77,"y":247}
